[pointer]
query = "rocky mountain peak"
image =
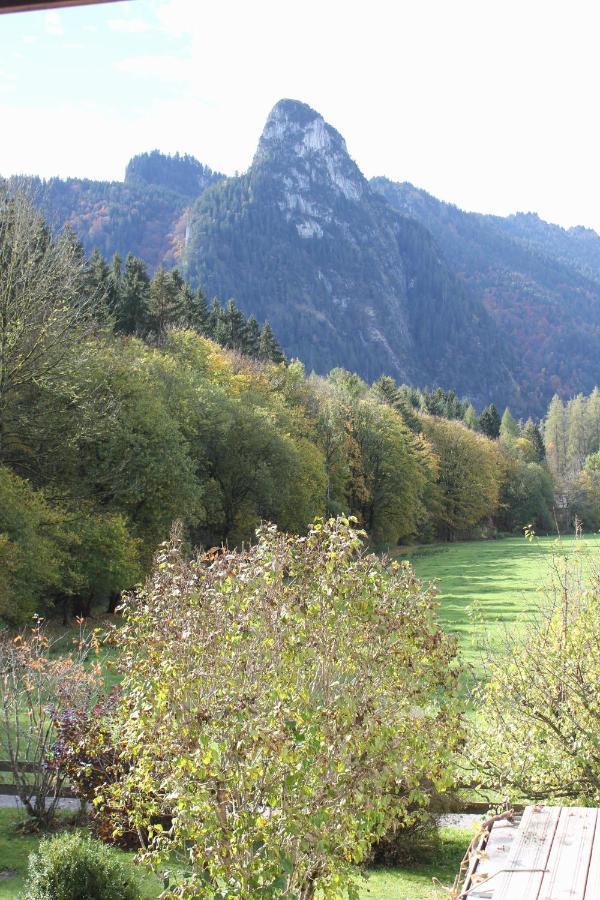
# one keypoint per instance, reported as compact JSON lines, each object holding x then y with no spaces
{"x":305,"y":160}
{"x":303,"y":151}
{"x":294,"y":126}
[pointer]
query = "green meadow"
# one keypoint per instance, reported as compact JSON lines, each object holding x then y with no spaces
{"x":487,"y":587}
{"x":413,"y":883}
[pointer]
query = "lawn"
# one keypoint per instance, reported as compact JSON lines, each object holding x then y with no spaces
{"x":415,"y":883}
{"x":489,"y":586}
{"x":15,"y":848}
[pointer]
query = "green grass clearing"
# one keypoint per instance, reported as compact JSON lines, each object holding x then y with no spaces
{"x":489,"y":586}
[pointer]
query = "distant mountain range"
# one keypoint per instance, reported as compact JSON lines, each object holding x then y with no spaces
{"x":377,"y":277}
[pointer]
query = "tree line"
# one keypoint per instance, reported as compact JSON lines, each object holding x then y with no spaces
{"x":127,"y":402}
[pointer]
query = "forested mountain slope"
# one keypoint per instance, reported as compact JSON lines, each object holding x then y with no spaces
{"x":304,"y":241}
{"x":143,"y":215}
{"x":540,"y":282}
{"x":378,"y":277}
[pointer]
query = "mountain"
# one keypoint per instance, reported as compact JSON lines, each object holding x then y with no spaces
{"x":303,"y":240}
{"x":143,"y":215}
{"x":375,"y":276}
{"x":540,"y":283}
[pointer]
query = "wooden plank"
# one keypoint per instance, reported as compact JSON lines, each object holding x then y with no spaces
{"x":570,"y":855}
{"x":473,"y":862}
{"x":592,"y":885}
{"x":6,"y":766}
{"x":496,"y":852}
{"x":528,"y":857}
{"x":12,"y":6}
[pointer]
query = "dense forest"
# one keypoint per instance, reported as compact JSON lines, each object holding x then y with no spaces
{"x":143,"y":215}
{"x":540,"y":283}
{"x":127,"y":401}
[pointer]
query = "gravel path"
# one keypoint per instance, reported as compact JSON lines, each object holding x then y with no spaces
{"x":12,"y":802}
{"x":461,"y":820}
{"x":450,"y":820}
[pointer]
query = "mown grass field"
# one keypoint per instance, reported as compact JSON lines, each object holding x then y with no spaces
{"x":487,"y":587}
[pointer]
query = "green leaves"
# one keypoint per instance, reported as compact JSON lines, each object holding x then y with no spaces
{"x":538,"y":729}
{"x":269,"y":710}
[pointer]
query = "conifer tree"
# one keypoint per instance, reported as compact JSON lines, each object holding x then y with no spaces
{"x":198,"y":314}
{"x":470,"y":418}
{"x":97,"y":274}
{"x":489,"y":422}
{"x":268,"y":348}
{"x":555,"y":436}
{"x":114,"y":284}
{"x":165,"y":301}
{"x":577,"y":437}
{"x":251,"y":336}
{"x":509,"y":429}
{"x":214,"y":319}
{"x":132,"y":313}
{"x":593,"y":420}
{"x":231,"y":327}
{"x":386,"y":390}
{"x":534,"y":436}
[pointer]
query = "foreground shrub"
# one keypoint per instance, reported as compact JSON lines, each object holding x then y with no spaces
{"x":538,"y":734}
{"x":282,"y":707}
{"x":71,"y":867}
{"x":37,"y":689}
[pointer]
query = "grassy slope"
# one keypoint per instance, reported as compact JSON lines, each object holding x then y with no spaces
{"x":487,"y":586}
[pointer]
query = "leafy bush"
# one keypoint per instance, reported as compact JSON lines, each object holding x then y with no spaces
{"x":539,"y":728}
{"x":37,"y":689}
{"x":284,"y":705}
{"x":73,"y":867}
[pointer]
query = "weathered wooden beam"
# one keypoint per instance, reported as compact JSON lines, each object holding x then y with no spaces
{"x":6,"y":766}
{"x":12,"y":6}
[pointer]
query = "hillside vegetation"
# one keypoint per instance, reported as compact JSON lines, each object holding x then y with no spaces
{"x":126,"y":402}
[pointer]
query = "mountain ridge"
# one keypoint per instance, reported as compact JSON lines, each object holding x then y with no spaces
{"x":377,"y":276}
{"x":363,"y":288}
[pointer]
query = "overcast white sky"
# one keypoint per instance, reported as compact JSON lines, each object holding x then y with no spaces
{"x":489,"y":104}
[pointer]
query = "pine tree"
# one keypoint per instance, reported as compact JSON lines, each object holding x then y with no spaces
{"x":268,"y":348}
{"x":593,"y":420}
{"x":386,"y":390}
{"x":231,"y":327}
{"x":197,"y":313}
{"x":97,"y":274}
{"x":489,"y":421}
{"x":214,"y":320}
{"x":577,"y":437}
{"x":165,"y":301}
{"x":534,"y":436}
{"x":114,"y":284}
{"x":251,"y":337}
{"x":132,"y":314}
